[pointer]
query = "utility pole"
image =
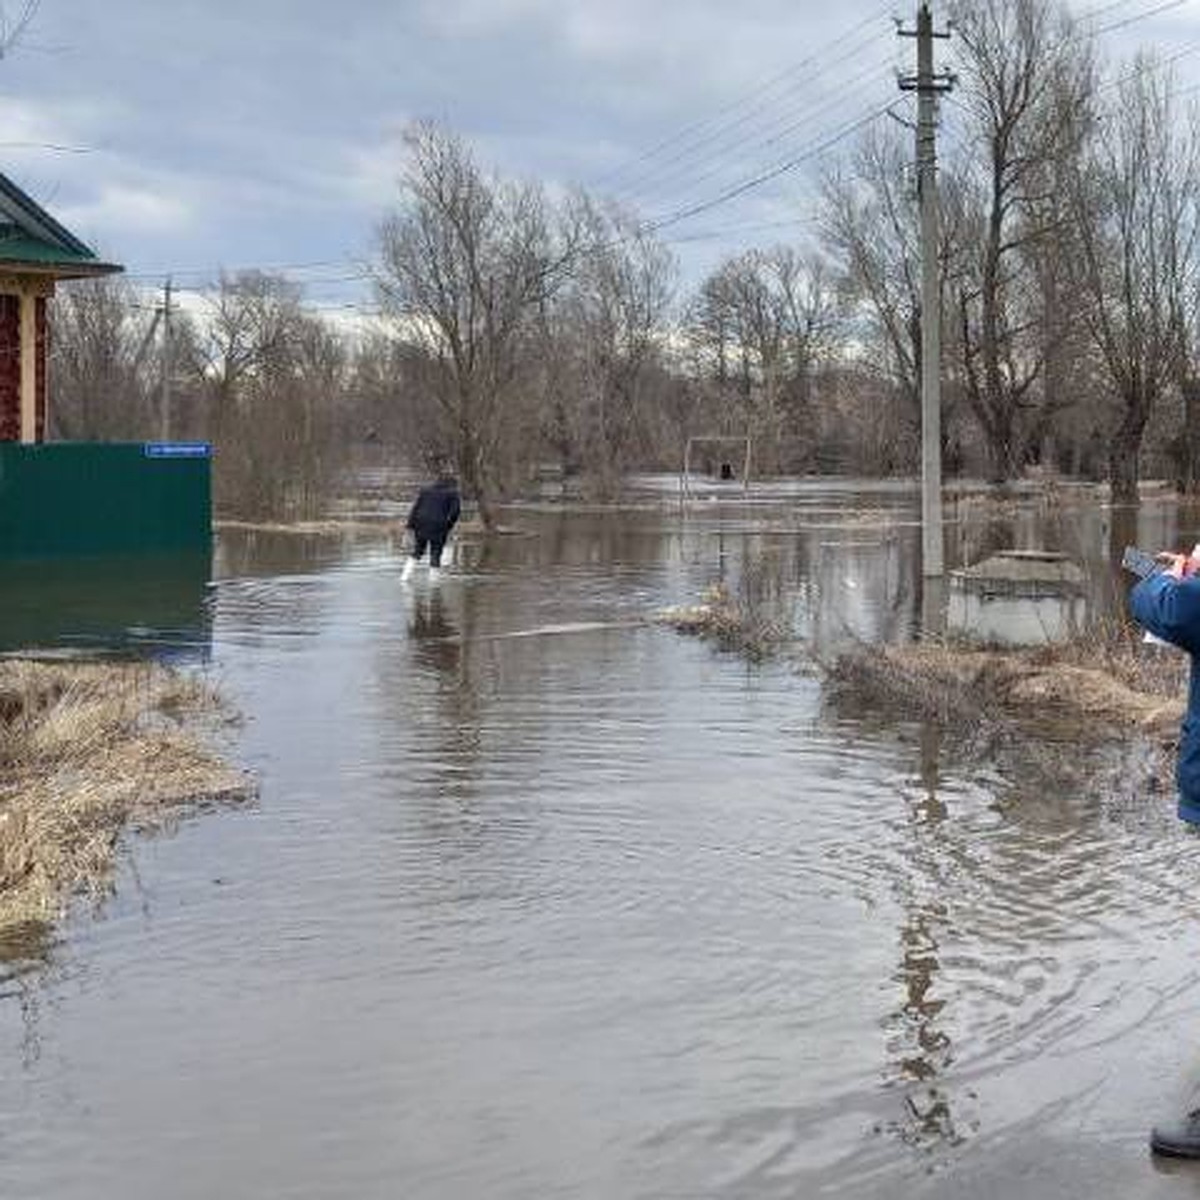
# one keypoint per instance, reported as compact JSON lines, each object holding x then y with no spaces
{"x":928,"y":85}
{"x":164,"y":403}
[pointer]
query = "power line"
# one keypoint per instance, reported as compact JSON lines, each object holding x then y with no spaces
{"x":722,"y":134}
{"x":265,"y":268}
{"x":755,"y":93}
{"x":775,"y":133}
{"x":1143,"y":16}
{"x":686,"y":212}
{"x":775,"y":172}
{"x":729,"y":231}
{"x":1102,"y":10}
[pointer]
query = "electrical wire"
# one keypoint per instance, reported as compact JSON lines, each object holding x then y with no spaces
{"x":1102,"y":10}
{"x":775,"y":134}
{"x":687,"y":143}
{"x":734,"y":106}
{"x":652,"y":226}
{"x":1144,"y":16}
{"x":265,"y":268}
{"x":723,"y":135}
{"x":684,"y":213}
{"x":783,"y":168}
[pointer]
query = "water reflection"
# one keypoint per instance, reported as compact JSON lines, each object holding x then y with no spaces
{"x":243,"y":552}
{"x":601,"y":912}
{"x":852,"y":573}
{"x":437,"y":645}
{"x":922,"y":1046}
{"x":153,"y":605}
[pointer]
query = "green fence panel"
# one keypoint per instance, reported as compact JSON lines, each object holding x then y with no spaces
{"x":67,"y":499}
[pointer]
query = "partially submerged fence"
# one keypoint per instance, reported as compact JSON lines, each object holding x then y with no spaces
{"x":68,"y":499}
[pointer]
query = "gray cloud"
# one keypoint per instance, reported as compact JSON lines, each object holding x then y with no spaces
{"x":266,"y":131}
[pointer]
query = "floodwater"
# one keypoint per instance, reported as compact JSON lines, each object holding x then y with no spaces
{"x":539,"y":900}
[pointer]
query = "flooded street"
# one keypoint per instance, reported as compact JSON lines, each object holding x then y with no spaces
{"x":539,"y":900}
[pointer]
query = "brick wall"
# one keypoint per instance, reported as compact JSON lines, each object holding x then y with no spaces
{"x":10,"y":369}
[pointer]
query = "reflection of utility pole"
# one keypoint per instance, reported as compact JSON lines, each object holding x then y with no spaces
{"x":923,"y":1047}
{"x":927,"y":85}
{"x":164,"y":407}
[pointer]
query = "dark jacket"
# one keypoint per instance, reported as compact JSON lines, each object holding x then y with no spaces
{"x":435,"y":510}
{"x":1170,"y":609}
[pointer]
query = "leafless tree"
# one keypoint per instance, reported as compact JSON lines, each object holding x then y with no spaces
{"x":1027,"y":83}
{"x":871,"y":229}
{"x":467,"y":266}
{"x":273,"y":375}
{"x":384,"y":396}
{"x":1184,"y":447}
{"x":99,"y":362}
{"x":813,"y":309}
{"x":607,"y":331}
{"x":763,"y":321}
{"x":1139,"y":215}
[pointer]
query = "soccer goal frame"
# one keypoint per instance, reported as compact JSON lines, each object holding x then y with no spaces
{"x":685,"y":478}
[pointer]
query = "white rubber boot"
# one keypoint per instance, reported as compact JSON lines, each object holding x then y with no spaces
{"x":407,"y":570}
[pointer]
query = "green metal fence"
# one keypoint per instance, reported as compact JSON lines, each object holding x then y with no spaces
{"x":66,"y":499}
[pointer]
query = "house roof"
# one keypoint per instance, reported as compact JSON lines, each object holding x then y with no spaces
{"x":32,"y":240}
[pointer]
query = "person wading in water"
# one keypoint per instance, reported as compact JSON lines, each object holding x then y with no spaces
{"x":1167,"y":604}
{"x":433,"y":515}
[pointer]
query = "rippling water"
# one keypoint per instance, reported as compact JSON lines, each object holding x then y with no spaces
{"x":539,"y":900}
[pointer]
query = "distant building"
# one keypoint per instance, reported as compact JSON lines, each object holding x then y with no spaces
{"x":77,"y":500}
{"x":35,"y":252}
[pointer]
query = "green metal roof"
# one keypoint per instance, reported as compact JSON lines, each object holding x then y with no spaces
{"x":31,"y":238}
{"x":18,"y":247}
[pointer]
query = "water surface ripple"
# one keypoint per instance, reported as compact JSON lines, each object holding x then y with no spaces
{"x":543,"y":901}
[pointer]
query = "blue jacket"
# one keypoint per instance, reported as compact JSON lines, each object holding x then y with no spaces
{"x":1170,"y":609}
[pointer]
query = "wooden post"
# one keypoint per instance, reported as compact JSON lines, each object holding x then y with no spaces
{"x":29,"y":350}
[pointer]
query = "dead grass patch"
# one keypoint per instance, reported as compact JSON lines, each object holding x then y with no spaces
{"x":85,"y":749}
{"x":735,"y":623}
{"x":1108,"y":679}
{"x":1102,"y":712}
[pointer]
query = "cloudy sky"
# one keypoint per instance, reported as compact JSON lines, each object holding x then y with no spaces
{"x":180,"y":136}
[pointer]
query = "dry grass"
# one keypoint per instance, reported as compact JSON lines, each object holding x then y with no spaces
{"x":1102,"y":712}
{"x":1107,"y":677}
{"x":85,"y":749}
{"x":739,"y":624}
{"x":1117,"y":649}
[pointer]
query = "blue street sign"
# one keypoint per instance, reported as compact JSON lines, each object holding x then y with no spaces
{"x":176,"y":449}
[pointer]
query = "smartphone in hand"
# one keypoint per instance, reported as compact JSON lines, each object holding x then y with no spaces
{"x":1138,"y":562}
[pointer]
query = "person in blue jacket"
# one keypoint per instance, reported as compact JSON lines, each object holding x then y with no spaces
{"x":1167,"y":604}
{"x":433,"y":515}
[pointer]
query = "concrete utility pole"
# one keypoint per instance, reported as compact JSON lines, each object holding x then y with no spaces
{"x":164,"y":404}
{"x":927,"y":85}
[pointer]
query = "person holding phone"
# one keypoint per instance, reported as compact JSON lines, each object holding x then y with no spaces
{"x":1167,"y":604}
